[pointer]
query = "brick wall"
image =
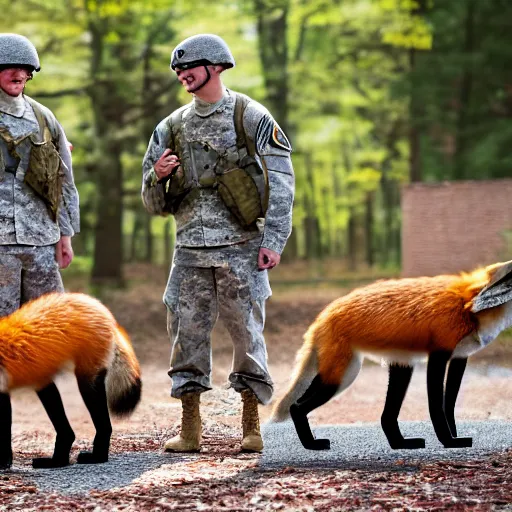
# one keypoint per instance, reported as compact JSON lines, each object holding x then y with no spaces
{"x":453,"y":226}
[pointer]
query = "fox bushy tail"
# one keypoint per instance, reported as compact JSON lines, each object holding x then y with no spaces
{"x":123,"y":381}
{"x":305,"y":371}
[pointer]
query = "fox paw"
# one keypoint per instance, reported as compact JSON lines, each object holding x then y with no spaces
{"x":5,"y":460}
{"x":411,"y":443}
{"x":91,"y":458}
{"x":5,"y":464}
{"x":49,"y":462}
{"x":459,"y":442}
{"x":318,"y":444}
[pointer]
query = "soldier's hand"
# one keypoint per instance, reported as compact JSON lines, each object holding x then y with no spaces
{"x":64,"y":252}
{"x":267,"y":259}
{"x":166,"y":164}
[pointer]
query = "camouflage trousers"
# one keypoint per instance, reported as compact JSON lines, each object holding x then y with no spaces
{"x":26,"y":272}
{"x":205,"y":284}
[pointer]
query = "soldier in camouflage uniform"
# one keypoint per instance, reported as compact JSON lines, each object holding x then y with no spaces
{"x":196,"y":168}
{"x":38,"y":199}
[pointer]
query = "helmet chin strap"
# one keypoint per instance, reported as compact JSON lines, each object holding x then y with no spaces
{"x":207,"y":79}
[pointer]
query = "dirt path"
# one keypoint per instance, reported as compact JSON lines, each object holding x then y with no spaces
{"x":220,"y":478}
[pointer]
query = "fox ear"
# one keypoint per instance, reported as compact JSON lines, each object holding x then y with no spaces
{"x":497,"y":291}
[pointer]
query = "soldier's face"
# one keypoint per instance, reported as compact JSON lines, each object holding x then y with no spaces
{"x":13,"y":80}
{"x":192,"y":79}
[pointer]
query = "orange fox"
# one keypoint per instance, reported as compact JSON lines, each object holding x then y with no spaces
{"x":446,"y":318}
{"x":48,"y":335}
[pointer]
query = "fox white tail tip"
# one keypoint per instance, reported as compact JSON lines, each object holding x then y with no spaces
{"x":124,"y":385}
{"x":301,"y":380}
{"x":280,"y":416}
{"x":125,"y":400}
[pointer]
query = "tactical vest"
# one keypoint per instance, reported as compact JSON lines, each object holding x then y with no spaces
{"x":243,"y":189}
{"x":44,"y":173}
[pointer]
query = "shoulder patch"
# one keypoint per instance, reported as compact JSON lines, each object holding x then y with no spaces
{"x":279,"y":139}
{"x":269,"y":133}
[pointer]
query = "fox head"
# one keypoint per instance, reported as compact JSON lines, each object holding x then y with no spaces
{"x":498,"y":289}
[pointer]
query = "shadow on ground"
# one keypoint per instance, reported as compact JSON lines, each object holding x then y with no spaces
{"x":121,"y":471}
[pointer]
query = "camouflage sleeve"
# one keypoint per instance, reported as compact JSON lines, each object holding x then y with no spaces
{"x":153,"y":192}
{"x":69,"y":211}
{"x":273,"y":148}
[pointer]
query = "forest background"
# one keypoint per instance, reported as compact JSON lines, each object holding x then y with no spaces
{"x":373,"y":94}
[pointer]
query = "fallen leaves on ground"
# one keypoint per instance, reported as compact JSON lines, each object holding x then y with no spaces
{"x":221,"y":478}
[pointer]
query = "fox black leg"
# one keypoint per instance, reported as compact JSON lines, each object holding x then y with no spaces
{"x":52,"y":403}
{"x":436,"y":370}
{"x":5,"y":431}
{"x":95,"y":398}
{"x":453,"y":380}
{"x":316,"y":395}
{"x":399,"y":379}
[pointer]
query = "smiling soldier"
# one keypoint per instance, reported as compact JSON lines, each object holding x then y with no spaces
{"x":221,"y":165}
{"x":38,"y":200}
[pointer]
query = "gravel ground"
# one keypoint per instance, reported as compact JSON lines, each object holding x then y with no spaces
{"x":354,"y":475}
{"x":120,"y":471}
{"x":364,"y":446}
{"x":353,"y":447}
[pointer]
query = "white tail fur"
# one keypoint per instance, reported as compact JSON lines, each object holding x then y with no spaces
{"x":123,"y":378}
{"x":305,"y":371}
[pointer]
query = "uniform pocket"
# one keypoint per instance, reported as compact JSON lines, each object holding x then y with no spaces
{"x":240,"y":194}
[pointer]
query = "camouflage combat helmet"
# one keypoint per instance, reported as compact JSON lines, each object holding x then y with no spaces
{"x":16,"y":50}
{"x":202,"y":50}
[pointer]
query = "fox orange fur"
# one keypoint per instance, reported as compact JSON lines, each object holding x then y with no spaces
{"x":445,"y":318}
{"x":52,"y":334}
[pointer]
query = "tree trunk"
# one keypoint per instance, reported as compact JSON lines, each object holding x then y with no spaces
{"x":137,"y":226}
{"x":108,"y":246}
{"x":352,"y":241}
{"x":415,"y":111}
{"x":387,"y":204}
{"x":415,"y":169}
{"x":338,"y":232}
{"x":147,"y":222}
{"x":168,"y":245}
{"x":464,"y":96}
{"x":272,"y":25}
{"x":325,"y":240}
{"x":292,"y":248}
{"x":311,"y":224}
{"x":108,"y":253}
{"x":368,"y":228}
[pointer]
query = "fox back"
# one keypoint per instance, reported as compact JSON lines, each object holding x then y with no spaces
{"x":52,"y":333}
{"x":418,"y":315}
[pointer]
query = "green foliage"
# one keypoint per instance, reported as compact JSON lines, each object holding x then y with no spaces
{"x":359,"y":75}
{"x":405,"y":29}
{"x":82,"y":265}
{"x":462,"y":90}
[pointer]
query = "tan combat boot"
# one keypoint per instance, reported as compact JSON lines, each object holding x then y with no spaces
{"x":189,"y":439}
{"x":251,"y":441}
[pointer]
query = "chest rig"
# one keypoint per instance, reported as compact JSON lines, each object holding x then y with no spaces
{"x":241,"y":182}
{"x":44,"y":173}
